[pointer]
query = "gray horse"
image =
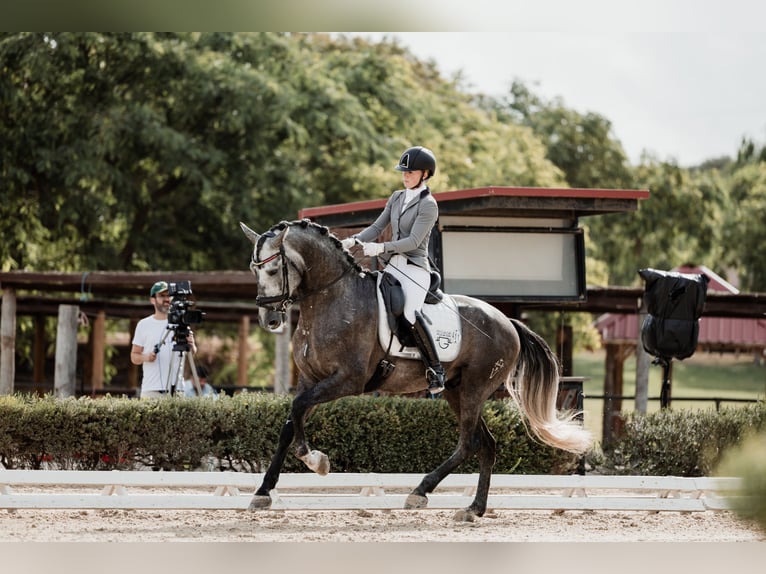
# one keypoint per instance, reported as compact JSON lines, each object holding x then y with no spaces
{"x":336,"y":350}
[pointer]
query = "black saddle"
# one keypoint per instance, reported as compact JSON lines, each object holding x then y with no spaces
{"x":393,"y":299}
{"x":435,"y":294}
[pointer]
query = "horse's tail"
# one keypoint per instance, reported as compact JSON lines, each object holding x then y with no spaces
{"x":536,"y":390}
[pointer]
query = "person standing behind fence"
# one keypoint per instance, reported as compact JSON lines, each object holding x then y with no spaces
{"x":152,"y":348}
{"x":206,"y":389}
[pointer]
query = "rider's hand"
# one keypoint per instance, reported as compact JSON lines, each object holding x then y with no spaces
{"x":348,"y":242}
{"x":372,"y":249}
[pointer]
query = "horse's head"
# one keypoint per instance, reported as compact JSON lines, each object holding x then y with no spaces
{"x":278,"y":269}
{"x":292,"y":261}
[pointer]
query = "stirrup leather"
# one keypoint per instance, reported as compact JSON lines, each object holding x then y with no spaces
{"x":434,"y":369}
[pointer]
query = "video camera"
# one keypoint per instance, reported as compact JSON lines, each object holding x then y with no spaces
{"x":180,"y":314}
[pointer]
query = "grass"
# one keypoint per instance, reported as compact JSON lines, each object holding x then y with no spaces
{"x":703,"y":375}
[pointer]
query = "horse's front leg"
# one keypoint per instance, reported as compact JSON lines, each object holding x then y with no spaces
{"x":262,"y":498}
{"x":292,"y":431}
{"x":314,"y":459}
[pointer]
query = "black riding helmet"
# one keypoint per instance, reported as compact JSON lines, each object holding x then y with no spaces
{"x":418,"y":158}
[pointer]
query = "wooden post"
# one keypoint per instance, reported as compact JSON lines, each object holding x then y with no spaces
{"x":243,"y":354}
{"x":613,"y":385}
{"x":64,"y":383}
{"x":666,"y":394}
{"x":564,"y":347}
{"x":8,"y":342}
{"x":38,"y":355}
{"x":132,"y":369}
{"x":642,"y":369}
{"x":98,"y":351}
{"x":283,"y":359}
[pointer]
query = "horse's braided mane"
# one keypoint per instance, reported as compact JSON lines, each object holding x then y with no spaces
{"x":323,"y":231}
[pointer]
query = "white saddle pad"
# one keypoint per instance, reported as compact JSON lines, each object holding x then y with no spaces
{"x":442,"y":320}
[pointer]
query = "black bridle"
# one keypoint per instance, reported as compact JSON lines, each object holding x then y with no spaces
{"x":275,"y":302}
{"x":281,"y":302}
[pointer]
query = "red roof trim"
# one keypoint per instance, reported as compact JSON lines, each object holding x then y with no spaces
{"x":310,"y":212}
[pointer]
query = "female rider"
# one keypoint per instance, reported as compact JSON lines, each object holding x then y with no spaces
{"x":412,"y":213}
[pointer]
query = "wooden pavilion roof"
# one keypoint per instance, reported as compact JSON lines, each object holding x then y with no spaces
{"x":567,"y":203}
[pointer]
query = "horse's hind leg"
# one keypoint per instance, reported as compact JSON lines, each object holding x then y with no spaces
{"x":474,"y":437}
{"x":417,"y":498}
{"x":487,"y":454}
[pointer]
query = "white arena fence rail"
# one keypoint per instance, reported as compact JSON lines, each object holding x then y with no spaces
{"x":63,"y":489}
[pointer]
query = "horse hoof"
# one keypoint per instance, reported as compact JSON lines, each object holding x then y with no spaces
{"x":415,"y":501}
{"x":317,"y":461}
{"x":259,"y":502}
{"x":323,"y":466}
{"x":464,"y":515}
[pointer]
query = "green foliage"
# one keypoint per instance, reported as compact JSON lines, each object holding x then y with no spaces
{"x":748,"y":462}
{"x":745,"y":228}
{"x":359,"y":434}
{"x":582,"y":146}
{"x":680,"y":223}
{"x":246,"y":431}
{"x":682,"y":443}
{"x":144,"y":150}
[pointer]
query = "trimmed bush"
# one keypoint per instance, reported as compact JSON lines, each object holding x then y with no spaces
{"x":359,"y":434}
{"x":682,"y":443}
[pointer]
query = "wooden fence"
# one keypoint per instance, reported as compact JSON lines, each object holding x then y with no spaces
{"x":61,"y":489}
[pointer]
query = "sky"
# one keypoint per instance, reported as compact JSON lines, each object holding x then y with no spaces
{"x":682,"y":80}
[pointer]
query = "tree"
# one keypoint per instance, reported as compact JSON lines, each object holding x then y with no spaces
{"x":745,"y":229}
{"x":144,"y":150}
{"x":680,"y":223}
{"x":134,"y":149}
{"x":582,"y":146}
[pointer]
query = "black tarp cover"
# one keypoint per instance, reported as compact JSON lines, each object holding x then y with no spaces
{"x":674,"y":302}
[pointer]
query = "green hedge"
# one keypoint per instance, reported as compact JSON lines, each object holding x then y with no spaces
{"x":359,"y":434}
{"x":684,"y":442}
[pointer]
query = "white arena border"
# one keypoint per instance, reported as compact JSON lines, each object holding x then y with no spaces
{"x":67,"y":489}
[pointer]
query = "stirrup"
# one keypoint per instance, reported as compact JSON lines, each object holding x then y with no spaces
{"x":435,"y":380}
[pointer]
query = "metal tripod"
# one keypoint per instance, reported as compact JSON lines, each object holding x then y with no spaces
{"x":174,"y":378}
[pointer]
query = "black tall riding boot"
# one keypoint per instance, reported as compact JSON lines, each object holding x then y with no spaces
{"x":434,"y":369}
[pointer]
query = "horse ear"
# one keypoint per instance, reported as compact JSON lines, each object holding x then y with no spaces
{"x":249,"y":233}
{"x":280,"y":238}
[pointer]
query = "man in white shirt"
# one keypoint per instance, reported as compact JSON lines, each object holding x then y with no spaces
{"x":159,"y":364}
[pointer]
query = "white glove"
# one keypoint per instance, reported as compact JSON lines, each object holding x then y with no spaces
{"x":348,"y":242}
{"x":372,"y":249}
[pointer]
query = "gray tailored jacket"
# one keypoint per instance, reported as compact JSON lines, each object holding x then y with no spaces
{"x":411,"y":228}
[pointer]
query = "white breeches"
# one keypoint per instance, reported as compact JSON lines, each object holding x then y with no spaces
{"x":415,"y":282}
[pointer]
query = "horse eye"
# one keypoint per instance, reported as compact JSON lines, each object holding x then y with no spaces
{"x":271,"y":272}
